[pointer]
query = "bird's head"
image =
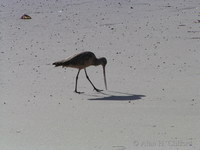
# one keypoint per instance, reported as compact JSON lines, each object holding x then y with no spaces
{"x":103,"y":61}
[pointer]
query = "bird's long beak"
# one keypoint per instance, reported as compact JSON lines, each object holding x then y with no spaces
{"x":104,"y":74}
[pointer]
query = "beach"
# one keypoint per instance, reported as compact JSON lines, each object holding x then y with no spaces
{"x":153,"y":74}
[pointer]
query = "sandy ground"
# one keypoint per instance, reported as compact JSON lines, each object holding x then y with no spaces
{"x":153,"y":74}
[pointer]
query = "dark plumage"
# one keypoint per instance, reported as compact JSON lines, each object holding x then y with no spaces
{"x":81,"y":61}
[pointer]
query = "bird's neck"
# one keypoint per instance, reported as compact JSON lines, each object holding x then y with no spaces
{"x":97,"y":62}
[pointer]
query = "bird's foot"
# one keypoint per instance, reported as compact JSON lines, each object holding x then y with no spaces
{"x":78,"y":92}
{"x":98,"y":90}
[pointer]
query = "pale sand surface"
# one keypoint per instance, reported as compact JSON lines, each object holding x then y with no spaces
{"x":153,"y":74}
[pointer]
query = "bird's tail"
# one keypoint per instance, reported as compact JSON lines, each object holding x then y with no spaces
{"x":58,"y":63}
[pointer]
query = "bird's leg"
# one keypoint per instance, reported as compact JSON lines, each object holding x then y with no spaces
{"x":77,"y":83}
{"x":91,"y":82}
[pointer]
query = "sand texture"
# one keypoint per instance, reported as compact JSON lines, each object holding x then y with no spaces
{"x":153,"y":75}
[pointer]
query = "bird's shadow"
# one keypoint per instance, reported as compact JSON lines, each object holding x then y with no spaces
{"x":116,"y":96}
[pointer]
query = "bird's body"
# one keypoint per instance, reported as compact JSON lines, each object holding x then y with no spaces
{"x":81,"y":61}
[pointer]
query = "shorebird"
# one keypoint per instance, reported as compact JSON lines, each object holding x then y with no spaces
{"x":81,"y":61}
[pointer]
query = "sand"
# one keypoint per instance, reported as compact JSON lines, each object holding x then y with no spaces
{"x":153,"y":75}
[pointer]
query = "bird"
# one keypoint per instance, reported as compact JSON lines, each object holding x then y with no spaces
{"x":82,"y":61}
